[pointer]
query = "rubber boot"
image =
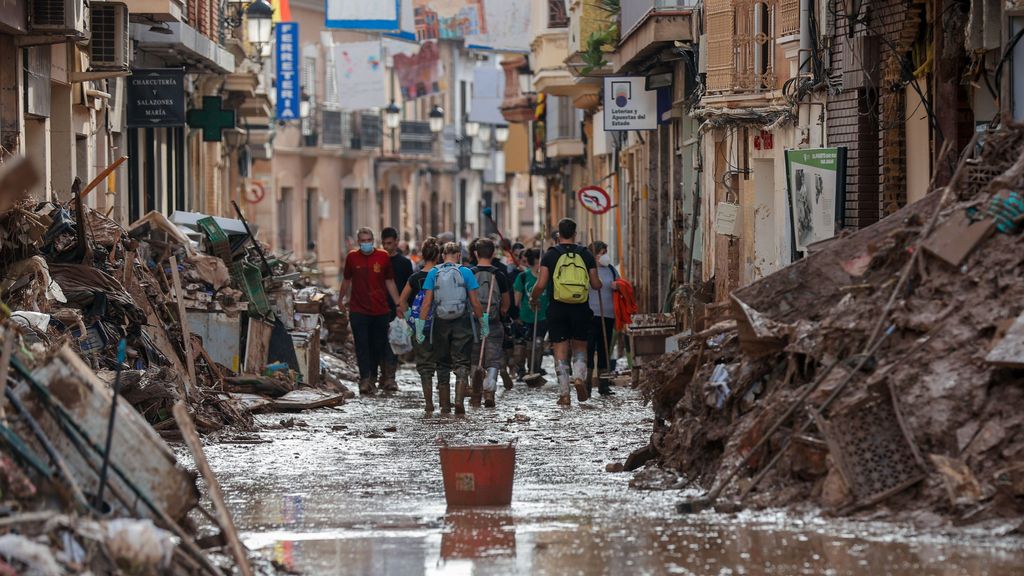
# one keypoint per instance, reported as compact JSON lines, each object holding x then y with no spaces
{"x":444,"y":392}
{"x":579,"y":376}
{"x":476,"y":392}
{"x":489,"y":399}
{"x":562,"y":370}
{"x":428,"y":393}
{"x":461,"y":386}
{"x":506,"y":378}
{"x":518,"y":361}
{"x":388,"y":373}
{"x":366,"y":387}
{"x":603,"y":387}
{"x":590,"y":382}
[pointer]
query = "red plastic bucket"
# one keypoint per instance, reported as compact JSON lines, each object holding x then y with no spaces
{"x":478,"y":475}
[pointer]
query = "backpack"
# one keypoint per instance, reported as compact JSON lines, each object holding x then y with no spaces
{"x":485,"y":278}
{"x":571,"y":279}
{"x":416,"y":306}
{"x":450,"y":296}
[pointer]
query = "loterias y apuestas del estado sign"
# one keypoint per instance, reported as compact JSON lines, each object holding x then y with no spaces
{"x":156,"y":98}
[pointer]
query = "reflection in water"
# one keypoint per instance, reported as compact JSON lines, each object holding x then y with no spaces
{"x":478,"y":534}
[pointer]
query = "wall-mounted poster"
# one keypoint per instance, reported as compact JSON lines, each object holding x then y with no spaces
{"x":817,"y":191}
{"x":360,"y":75}
{"x":419,"y":74}
{"x":449,"y":19}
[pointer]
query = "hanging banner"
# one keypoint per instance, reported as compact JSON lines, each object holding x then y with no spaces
{"x":379,"y":15}
{"x":628,"y":105}
{"x":419,"y":74}
{"x":816,"y":179}
{"x":155,"y":98}
{"x":488,"y":93}
{"x":507,"y":27}
{"x":360,"y":75}
{"x":287,"y":68}
{"x":450,"y":19}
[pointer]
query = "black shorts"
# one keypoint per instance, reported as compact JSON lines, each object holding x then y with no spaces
{"x":569,"y":321}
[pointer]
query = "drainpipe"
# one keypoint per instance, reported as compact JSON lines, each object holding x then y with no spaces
{"x":806,"y":42}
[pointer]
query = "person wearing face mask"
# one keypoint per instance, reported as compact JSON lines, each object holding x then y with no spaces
{"x":368,"y":281}
{"x":604,"y":312}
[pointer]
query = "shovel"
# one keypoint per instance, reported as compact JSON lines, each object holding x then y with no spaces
{"x":480,"y":373}
{"x":534,"y":380}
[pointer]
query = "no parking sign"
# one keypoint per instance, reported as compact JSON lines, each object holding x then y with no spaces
{"x":595,"y":199}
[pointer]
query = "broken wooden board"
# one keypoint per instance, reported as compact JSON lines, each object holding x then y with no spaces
{"x":955,"y":239}
{"x":136,"y":447}
{"x":1009,"y":352}
{"x":257,"y":345}
{"x":295,"y":401}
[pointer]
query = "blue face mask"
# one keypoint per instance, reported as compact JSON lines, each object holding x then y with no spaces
{"x":366,"y":247}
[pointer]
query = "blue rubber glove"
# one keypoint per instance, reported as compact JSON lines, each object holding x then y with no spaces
{"x":420,"y":324}
{"x":485,"y":325}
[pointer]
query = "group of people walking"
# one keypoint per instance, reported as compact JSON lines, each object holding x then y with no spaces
{"x":481,"y":319}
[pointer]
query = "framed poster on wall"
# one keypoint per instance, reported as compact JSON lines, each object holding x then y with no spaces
{"x":816,"y":181}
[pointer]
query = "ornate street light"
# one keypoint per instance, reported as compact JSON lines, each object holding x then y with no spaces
{"x":259,"y":21}
{"x":501,"y":134}
{"x":436,"y":119}
{"x":392,"y":116}
{"x":485,"y":132}
{"x":472,"y":129}
{"x":525,"y":80}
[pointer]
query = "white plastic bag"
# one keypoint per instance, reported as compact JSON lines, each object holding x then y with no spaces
{"x":399,"y":336}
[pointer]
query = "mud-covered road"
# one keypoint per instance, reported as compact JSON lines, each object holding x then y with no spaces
{"x":357,"y":490}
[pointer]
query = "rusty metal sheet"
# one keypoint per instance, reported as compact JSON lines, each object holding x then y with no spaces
{"x":870,"y":444}
{"x":137,"y":448}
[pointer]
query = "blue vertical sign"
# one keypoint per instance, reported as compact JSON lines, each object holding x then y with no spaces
{"x":288,"y":93}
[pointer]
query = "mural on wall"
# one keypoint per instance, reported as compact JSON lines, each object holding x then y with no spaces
{"x":419,"y":74}
{"x":449,"y":19}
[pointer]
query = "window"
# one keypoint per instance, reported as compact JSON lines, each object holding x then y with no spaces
{"x":312,"y":215}
{"x":348,"y":218}
{"x":558,"y":14}
{"x":284,"y":220}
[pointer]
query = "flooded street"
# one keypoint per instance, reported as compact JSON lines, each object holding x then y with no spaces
{"x":357,"y":490}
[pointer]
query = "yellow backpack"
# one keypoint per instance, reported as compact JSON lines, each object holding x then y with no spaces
{"x":570,"y":277}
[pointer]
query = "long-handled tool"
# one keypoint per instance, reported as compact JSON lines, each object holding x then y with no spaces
{"x":604,"y":329}
{"x":479,"y":373}
{"x":488,"y":212}
{"x":534,"y":379}
{"x":121,"y":355}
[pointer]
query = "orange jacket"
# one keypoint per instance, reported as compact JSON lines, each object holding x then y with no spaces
{"x":624,"y":296}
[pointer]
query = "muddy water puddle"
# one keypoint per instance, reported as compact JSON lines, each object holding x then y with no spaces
{"x":358,"y":490}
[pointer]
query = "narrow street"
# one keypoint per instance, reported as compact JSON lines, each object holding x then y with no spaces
{"x":357,"y":490}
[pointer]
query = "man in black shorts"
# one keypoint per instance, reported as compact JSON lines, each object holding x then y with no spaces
{"x":568,"y":272}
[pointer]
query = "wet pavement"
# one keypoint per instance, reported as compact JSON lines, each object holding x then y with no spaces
{"x":358,"y":490}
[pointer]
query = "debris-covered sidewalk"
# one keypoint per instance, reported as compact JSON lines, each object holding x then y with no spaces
{"x":117,"y":339}
{"x":882,"y":372}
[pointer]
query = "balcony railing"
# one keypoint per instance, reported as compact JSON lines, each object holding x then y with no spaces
{"x":634,"y":11}
{"x":415,"y":137}
{"x":346,"y":129}
{"x":789,"y":16}
{"x":741,"y":45}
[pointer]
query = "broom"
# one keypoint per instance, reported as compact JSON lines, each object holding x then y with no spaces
{"x":534,"y":379}
{"x":480,"y":373}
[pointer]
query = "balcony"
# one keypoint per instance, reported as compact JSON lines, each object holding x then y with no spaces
{"x":184,"y":46}
{"x":348,"y":131}
{"x":564,"y":129}
{"x":149,"y":11}
{"x":741,"y":43}
{"x":649,"y":25}
{"x":415,"y":137}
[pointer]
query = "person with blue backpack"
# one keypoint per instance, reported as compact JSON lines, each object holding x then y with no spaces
{"x":409,"y":305}
{"x":450,"y":296}
{"x":568,"y":272}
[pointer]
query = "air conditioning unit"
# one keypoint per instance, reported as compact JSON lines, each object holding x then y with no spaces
{"x":108,"y":44}
{"x":59,"y":18}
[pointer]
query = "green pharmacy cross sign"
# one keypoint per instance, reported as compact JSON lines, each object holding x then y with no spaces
{"x":211,"y":118}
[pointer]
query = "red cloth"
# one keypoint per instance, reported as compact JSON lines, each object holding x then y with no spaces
{"x":624,"y":296}
{"x":368,"y":274}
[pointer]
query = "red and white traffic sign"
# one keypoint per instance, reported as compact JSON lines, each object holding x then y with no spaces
{"x":595,"y":199}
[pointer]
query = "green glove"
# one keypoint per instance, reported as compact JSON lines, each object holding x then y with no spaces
{"x":485,"y":325}
{"x":420,"y":324}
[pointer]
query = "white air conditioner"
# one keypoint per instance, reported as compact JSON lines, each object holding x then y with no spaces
{"x":108,"y":42}
{"x":59,"y":18}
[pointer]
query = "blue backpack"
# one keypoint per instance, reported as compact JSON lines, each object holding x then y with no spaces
{"x":414,"y":309}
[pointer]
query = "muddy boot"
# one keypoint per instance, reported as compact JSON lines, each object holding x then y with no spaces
{"x":387,"y":377}
{"x":506,"y":378}
{"x":476,"y":393}
{"x":564,"y":400}
{"x":460,"y":393}
{"x":428,"y":393}
{"x":603,"y":387}
{"x":489,"y":399}
{"x":366,"y":387}
{"x":581,"y":390}
{"x":590,"y":383}
{"x":444,"y":392}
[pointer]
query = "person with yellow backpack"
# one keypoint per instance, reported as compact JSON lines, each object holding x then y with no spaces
{"x":568,"y":272}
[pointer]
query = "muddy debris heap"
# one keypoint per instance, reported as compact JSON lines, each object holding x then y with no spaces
{"x":114,"y":340}
{"x":882,"y":374}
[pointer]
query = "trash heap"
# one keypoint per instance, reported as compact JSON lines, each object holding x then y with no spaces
{"x":882,"y":374}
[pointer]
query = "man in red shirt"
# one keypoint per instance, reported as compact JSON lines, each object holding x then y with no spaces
{"x":368,"y":280}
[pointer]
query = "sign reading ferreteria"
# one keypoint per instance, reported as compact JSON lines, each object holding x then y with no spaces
{"x":155,"y":98}
{"x":628,"y":105}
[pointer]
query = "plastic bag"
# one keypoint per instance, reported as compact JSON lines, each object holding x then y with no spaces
{"x":399,"y":336}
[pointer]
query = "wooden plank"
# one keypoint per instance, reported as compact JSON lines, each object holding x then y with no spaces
{"x":1009,"y":352}
{"x":185,"y":332}
{"x":257,"y":345}
{"x":957,"y":237}
{"x":227,"y":526}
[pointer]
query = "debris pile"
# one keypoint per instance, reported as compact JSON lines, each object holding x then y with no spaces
{"x":884,"y":371}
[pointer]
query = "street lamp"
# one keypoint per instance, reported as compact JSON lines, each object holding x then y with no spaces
{"x":472,"y":129}
{"x":436,"y":119}
{"x":259,"y":21}
{"x":485,"y":132}
{"x":501,"y":134}
{"x":392,"y":116}
{"x":525,"y":80}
